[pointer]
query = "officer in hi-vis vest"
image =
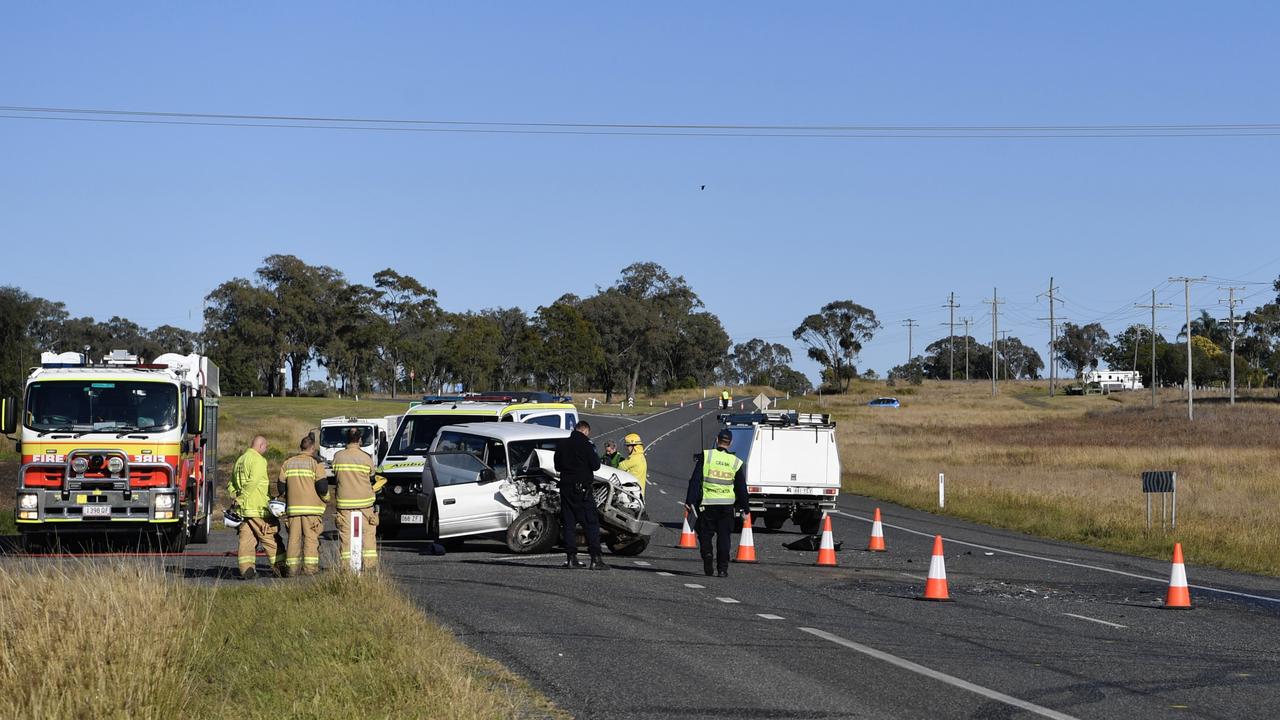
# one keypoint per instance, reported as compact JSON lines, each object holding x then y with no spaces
{"x":302,"y":476}
{"x":353,"y":470}
{"x":718,"y":493}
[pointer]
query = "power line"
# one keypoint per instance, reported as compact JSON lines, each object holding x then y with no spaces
{"x":153,"y":117}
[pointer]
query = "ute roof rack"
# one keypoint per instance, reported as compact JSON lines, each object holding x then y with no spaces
{"x":777,"y":418}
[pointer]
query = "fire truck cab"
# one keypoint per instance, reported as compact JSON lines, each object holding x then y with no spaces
{"x":119,"y":445}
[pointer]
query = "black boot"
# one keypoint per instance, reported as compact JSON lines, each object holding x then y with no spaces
{"x":597,"y":563}
{"x":708,"y":566}
{"x":572,"y":562}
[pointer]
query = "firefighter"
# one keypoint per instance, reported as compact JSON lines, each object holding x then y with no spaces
{"x":635,"y":462}
{"x":353,"y":471}
{"x":726,"y":400}
{"x":717,"y":492}
{"x":611,"y":456}
{"x":248,"y":490}
{"x":303,"y":481}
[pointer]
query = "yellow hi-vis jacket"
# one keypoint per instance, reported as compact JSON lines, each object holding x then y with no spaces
{"x":724,"y":395}
{"x":248,"y":486}
{"x":353,"y":469}
{"x":298,"y":476}
{"x":637,"y":465}
{"x":718,"y":471}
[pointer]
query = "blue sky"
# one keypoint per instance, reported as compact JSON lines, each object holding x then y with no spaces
{"x":143,"y":220}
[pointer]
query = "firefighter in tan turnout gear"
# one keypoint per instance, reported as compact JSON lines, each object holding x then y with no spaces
{"x":353,"y":470}
{"x":249,"y":493}
{"x":301,"y":477}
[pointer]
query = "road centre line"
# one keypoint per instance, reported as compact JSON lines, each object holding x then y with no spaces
{"x":727,"y":600}
{"x":913,"y":576}
{"x":660,"y":437}
{"x":695,"y":586}
{"x":1085,"y":566}
{"x":642,"y":563}
{"x":664,"y":573}
{"x":1096,"y":620}
{"x":768,"y":616}
{"x":528,"y":557}
{"x":937,"y":675}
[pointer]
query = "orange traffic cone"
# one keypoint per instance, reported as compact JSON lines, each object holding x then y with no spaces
{"x":1178,"y":596}
{"x":746,"y":543}
{"x":876,"y":543}
{"x":687,"y":539}
{"x":935,"y":588}
{"x":827,"y":548}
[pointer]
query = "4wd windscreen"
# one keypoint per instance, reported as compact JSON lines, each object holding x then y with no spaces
{"x":417,"y":432}
{"x":335,"y":436}
{"x":88,"y":406}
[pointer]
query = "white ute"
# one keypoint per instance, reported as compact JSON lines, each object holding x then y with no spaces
{"x":793,"y":466}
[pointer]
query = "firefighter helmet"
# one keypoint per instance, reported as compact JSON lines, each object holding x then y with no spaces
{"x":631,"y":439}
{"x":231,"y":518}
{"x":277,"y":507}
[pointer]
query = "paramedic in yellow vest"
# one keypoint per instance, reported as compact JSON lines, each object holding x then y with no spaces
{"x":353,"y":471}
{"x":302,"y":478}
{"x":635,"y":462}
{"x":717,"y":492}
{"x":249,"y":495}
{"x":726,"y":399}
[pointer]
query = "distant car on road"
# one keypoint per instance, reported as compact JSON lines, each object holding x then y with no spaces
{"x":885,"y":402}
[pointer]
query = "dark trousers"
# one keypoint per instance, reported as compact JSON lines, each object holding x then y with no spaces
{"x":573,"y":512}
{"x":716,"y":520}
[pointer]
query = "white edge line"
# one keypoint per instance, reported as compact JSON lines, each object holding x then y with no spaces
{"x":528,"y":557}
{"x":1085,"y":566}
{"x":939,"y":676}
{"x":1100,"y":622}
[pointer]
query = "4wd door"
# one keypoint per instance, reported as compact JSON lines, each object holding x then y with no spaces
{"x":466,"y":495}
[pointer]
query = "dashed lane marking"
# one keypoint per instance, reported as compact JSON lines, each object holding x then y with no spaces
{"x":1096,"y":620}
{"x":727,"y":600}
{"x":768,"y":616}
{"x":695,"y":586}
{"x":675,"y":430}
{"x":939,"y":676}
{"x":664,"y":573}
{"x":1057,"y":561}
{"x":642,"y":563}
{"x":914,"y":577}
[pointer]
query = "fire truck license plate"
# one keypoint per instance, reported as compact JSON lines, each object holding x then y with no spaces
{"x":96,"y":511}
{"x":413,"y":519}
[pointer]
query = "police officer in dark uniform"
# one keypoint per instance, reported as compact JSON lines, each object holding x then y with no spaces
{"x":718,"y":493}
{"x":577,"y":461}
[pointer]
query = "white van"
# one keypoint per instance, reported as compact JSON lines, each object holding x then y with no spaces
{"x":793,"y":466}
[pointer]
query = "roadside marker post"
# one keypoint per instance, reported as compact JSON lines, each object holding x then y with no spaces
{"x":356,"y":547}
{"x":942,"y":490}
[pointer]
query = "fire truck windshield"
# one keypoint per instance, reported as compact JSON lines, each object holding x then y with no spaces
{"x":101,"y":406}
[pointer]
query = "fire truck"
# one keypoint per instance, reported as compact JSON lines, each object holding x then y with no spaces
{"x":116,"y":446}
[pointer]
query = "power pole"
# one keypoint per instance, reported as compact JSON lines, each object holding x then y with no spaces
{"x":1186,"y":293}
{"x":1154,"y":306}
{"x":1231,"y":305}
{"x":951,"y":305}
{"x":1004,"y":340}
{"x":1053,"y":336}
{"x":996,"y":302}
{"x":910,"y":324}
{"x":966,"y":322}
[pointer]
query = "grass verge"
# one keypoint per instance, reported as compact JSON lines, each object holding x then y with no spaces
{"x":128,"y":641}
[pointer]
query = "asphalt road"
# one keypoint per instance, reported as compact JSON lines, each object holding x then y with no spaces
{"x":1038,"y":628}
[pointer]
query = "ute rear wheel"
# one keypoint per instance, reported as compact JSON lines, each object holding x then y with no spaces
{"x":810,"y":521}
{"x":534,"y":531}
{"x":774,"y":522}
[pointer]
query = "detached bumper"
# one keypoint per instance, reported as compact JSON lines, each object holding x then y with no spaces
{"x":96,"y":509}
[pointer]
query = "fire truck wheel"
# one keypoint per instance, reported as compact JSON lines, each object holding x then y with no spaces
{"x":33,"y":542}
{"x":173,"y":541}
{"x":200,"y":531}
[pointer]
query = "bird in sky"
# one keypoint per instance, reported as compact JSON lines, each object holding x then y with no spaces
{"x":702,"y":187}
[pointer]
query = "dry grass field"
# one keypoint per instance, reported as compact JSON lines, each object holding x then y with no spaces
{"x":128,"y":641}
{"x":1069,"y":467}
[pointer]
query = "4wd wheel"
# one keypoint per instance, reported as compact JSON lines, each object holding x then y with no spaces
{"x":33,"y":542}
{"x":534,"y":531}
{"x":809,"y":521}
{"x":629,"y":545}
{"x":774,"y":522}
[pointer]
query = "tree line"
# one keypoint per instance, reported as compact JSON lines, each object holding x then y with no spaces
{"x":1083,"y":347}
{"x":648,"y":331}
